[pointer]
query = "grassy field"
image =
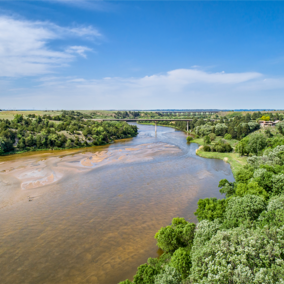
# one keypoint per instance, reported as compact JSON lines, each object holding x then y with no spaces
{"x":224,"y":113}
{"x":11,"y":113}
{"x":234,"y":159}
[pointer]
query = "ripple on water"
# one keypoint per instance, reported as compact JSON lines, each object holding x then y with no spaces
{"x":96,"y":222}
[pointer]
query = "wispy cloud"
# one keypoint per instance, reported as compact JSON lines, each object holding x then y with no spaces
{"x":25,"y":46}
{"x":79,"y":50}
{"x":98,"y":5}
{"x":180,"y":88}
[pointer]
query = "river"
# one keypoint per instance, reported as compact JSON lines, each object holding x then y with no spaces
{"x":90,"y":215}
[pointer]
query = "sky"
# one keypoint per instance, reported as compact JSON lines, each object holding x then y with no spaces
{"x":83,"y":54}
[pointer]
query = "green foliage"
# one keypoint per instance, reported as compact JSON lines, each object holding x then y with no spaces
{"x":40,"y":132}
{"x":221,"y":129}
{"x":205,"y":230}
{"x":203,"y":130}
{"x":145,"y":274}
{"x":212,"y":136}
{"x":253,"y":144}
{"x":169,"y":276}
{"x":222,"y":147}
{"x":179,"y":234}
{"x":210,"y":209}
{"x":278,"y":184}
{"x":240,"y":256}
{"x":270,"y":157}
{"x":207,"y":148}
{"x":243,"y":209}
{"x":181,"y":261}
{"x":244,"y":174}
{"x":226,"y":187}
{"x":251,"y":188}
{"x":125,"y":282}
{"x":228,"y":136}
{"x":265,"y":118}
{"x":268,"y":133}
{"x":239,"y":239}
{"x":189,"y":138}
{"x":206,"y":139}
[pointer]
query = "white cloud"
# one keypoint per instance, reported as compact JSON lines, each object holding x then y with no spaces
{"x":24,"y":46}
{"x":181,"y":88}
{"x":98,"y":5}
{"x":79,"y":50}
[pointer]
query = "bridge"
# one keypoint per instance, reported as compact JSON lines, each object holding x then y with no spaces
{"x":186,"y":112}
{"x":147,"y":119}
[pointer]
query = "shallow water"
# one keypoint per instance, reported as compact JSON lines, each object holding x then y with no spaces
{"x":94,"y":218}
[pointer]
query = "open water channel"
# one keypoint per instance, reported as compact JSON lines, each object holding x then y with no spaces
{"x":94,"y":212}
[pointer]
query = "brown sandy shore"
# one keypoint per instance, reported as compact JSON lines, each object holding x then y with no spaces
{"x":30,"y":171}
{"x":94,"y":211}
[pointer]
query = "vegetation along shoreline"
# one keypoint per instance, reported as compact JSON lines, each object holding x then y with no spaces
{"x":238,"y":239}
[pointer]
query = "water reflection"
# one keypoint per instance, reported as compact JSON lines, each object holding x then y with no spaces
{"x":96,"y":224}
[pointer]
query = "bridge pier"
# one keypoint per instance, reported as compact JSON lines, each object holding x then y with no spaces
{"x":155,"y":126}
{"x":187,"y":126}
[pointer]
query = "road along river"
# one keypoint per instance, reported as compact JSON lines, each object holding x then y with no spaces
{"x":90,"y":215}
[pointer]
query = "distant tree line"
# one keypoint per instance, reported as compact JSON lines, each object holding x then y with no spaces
{"x":67,"y":130}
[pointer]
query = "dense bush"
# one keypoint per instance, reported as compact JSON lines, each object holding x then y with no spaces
{"x":189,"y":138}
{"x":240,"y":210}
{"x":240,"y":255}
{"x":239,"y":239}
{"x":222,"y":147}
{"x":41,"y":132}
{"x":206,"y":148}
{"x":178,"y":234}
{"x":210,"y":209}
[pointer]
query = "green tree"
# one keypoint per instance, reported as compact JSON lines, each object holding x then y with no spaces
{"x":169,"y":276}
{"x":145,"y":274}
{"x":240,"y":255}
{"x":243,"y":209}
{"x":189,"y":138}
{"x":210,"y":209}
{"x":181,"y":261}
{"x":179,"y":234}
{"x":212,"y":136}
{"x":206,"y":139}
{"x":228,"y":136}
{"x":69,"y":144}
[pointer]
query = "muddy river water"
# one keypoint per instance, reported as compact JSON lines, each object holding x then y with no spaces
{"x":90,"y":215}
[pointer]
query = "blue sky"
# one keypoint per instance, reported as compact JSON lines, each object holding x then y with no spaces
{"x":69,"y":54}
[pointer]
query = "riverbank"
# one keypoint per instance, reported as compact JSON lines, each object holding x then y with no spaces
{"x":111,"y":199}
{"x":234,"y":159}
{"x":31,"y":149}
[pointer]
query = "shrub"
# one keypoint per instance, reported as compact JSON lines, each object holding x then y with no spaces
{"x":228,"y":136}
{"x":181,"y":261}
{"x":179,"y":234}
{"x":278,"y":184}
{"x":242,"y":209}
{"x":205,"y":230}
{"x":212,"y":136}
{"x":210,"y":209}
{"x":145,"y":274}
{"x":222,"y":147}
{"x":125,"y":282}
{"x":169,"y":276}
{"x":206,"y":139}
{"x":240,"y":256}
{"x":207,"y":148}
{"x":189,"y":138}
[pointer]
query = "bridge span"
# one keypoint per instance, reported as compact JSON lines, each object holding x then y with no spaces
{"x":147,"y":119}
